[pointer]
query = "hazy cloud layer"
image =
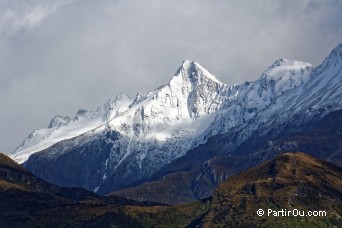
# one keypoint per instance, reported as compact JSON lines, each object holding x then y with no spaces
{"x":58,"y":56}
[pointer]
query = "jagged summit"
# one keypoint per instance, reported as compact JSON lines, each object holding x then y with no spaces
{"x":190,"y":79}
{"x":288,"y":62}
{"x":81,"y":113}
{"x":191,"y":70}
{"x":138,"y":97}
{"x":115,"y":106}
{"x":59,"y":120}
{"x":338,"y":49}
{"x":118,"y":99}
{"x":286,"y":74}
{"x":281,"y":66}
{"x":121,"y":96}
{"x":332,"y":61}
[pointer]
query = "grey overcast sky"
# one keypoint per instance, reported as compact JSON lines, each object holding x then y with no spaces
{"x":59,"y":56}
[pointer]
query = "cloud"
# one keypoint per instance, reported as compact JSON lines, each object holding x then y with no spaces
{"x":58,"y":56}
{"x":23,"y":15}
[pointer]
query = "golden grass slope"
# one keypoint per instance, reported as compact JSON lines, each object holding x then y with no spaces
{"x":290,"y":181}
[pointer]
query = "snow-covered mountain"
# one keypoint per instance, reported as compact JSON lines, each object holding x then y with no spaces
{"x":286,"y":90}
{"x":257,"y":101}
{"x":178,"y":109}
{"x":154,"y":128}
{"x":63,"y":127}
{"x":126,"y":141}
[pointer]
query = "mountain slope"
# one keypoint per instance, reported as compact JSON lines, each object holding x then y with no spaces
{"x":321,"y":139}
{"x":63,"y":127}
{"x":13,"y":176}
{"x":182,"y":186}
{"x":290,"y":181}
{"x":27,"y":201}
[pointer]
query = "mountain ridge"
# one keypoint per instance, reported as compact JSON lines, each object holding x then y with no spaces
{"x":193,"y":107}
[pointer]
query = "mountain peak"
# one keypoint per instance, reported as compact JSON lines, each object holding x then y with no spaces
{"x":59,"y":120}
{"x":285,"y":69}
{"x":333,"y":59}
{"x":138,"y":97}
{"x":122,"y":96}
{"x":81,"y":113}
{"x":191,"y":70}
{"x":289,"y":64}
{"x":282,"y":62}
{"x":186,"y":63}
{"x":338,"y":47}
